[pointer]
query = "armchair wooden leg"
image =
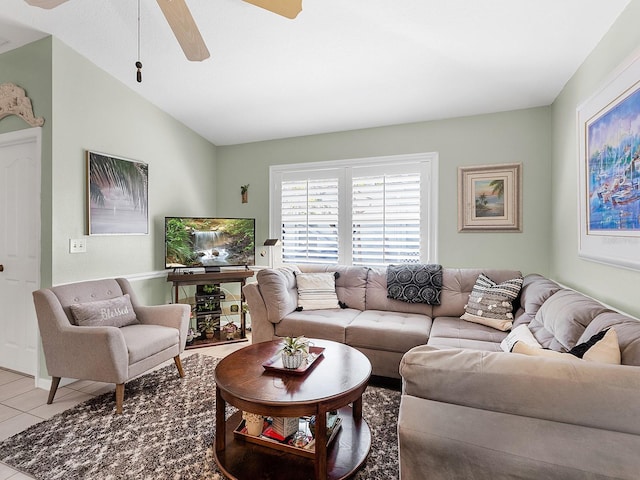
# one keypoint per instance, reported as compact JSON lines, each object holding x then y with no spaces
{"x":119,"y":397}
{"x":179,"y":365}
{"x":55,"y":381}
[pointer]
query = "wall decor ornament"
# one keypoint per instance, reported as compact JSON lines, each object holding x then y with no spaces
{"x":609,"y":170}
{"x":14,"y":101}
{"x":490,"y":198}
{"x":117,"y":195}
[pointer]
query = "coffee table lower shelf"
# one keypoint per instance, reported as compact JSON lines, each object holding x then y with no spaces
{"x":243,"y":460}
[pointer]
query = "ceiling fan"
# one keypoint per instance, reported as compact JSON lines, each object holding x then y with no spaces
{"x":184,"y":27}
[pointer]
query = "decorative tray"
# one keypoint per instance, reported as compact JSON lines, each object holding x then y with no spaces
{"x":308,"y":451}
{"x":274,"y":364}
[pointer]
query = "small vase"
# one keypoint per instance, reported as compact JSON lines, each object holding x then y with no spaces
{"x":292,"y":361}
{"x":254,"y":425}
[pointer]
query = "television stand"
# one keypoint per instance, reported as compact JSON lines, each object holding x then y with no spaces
{"x":208,"y":302}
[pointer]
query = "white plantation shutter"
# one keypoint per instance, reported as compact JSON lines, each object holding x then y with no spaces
{"x":374,"y":211}
{"x":386,"y":219}
{"x":310,"y":221}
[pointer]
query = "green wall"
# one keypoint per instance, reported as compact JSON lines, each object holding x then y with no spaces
{"x":85,"y":108}
{"x":614,"y":285}
{"x":29,"y":67}
{"x":94,"y":111}
{"x":522,"y":136}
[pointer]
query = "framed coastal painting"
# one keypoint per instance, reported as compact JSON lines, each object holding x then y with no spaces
{"x":117,"y":195}
{"x":490,"y":198}
{"x":609,"y":171}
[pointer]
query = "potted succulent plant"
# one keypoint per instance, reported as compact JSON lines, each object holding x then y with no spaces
{"x":229,"y":330}
{"x":244,"y":191}
{"x":208,"y":325}
{"x":293,"y":351}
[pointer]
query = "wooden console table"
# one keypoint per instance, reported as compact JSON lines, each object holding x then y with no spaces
{"x":214,"y":278}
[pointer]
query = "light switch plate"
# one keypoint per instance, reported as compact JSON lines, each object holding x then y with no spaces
{"x":77,"y":245}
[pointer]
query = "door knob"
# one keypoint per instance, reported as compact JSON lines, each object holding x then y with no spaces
{"x":1,"y":268}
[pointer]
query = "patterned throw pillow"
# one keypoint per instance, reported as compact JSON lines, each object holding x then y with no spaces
{"x":605,"y":350}
{"x":317,"y":291}
{"x":415,"y":283}
{"x":115,"y":312}
{"x":491,"y":304}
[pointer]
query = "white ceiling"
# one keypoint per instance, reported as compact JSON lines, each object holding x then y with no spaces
{"x":340,"y":65}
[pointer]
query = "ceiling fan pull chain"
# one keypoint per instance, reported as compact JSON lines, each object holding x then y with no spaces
{"x":139,"y":63}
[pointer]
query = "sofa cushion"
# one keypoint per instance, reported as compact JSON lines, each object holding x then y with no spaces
{"x":90,"y":291}
{"x":394,"y":332}
{"x":351,"y":283}
{"x":278,"y":289}
{"x":316,"y":291}
{"x":536,"y":289}
{"x":325,"y":324}
{"x":455,"y":327}
{"x":465,"y":343}
{"x":457,"y":284}
{"x":561,"y":320}
{"x":491,"y":303}
{"x":145,"y":340}
{"x":114,"y":312}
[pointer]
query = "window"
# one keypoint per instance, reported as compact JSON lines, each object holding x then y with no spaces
{"x":374,"y":211}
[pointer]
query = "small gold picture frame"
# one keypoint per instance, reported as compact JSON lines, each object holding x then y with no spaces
{"x":490,"y":198}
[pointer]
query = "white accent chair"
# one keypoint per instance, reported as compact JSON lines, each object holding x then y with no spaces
{"x":106,"y":353}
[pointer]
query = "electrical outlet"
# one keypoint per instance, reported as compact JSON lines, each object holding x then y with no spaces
{"x":77,"y":245}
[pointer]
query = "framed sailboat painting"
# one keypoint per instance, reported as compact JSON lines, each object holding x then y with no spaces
{"x":609,"y":162}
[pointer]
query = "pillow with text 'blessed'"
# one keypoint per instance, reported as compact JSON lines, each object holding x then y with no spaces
{"x":114,"y":312}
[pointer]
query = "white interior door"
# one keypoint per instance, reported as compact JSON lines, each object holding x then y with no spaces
{"x":20,"y":154}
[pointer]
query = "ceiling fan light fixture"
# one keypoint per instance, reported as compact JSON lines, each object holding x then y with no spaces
{"x":47,"y":4}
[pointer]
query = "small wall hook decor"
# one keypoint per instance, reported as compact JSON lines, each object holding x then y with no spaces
{"x":244,"y":191}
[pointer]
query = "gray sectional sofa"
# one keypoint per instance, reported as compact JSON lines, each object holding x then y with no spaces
{"x":381,"y":328}
{"x":469,"y":409}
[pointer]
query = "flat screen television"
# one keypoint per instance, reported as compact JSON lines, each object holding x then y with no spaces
{"x":211,"y":243}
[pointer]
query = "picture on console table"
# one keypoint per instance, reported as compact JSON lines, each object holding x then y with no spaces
{"x":117,"y":195}
{"x":489,"y":198}
{"x":609,"y":163}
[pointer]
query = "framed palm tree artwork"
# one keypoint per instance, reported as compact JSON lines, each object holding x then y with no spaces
{"x":117,"y":195}
{"x":490,"y":198}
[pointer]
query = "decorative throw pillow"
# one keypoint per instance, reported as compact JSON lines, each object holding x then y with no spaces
{"x":115,"y":312}
{"x":606,"y":350}
{"x":415,"y":283}
{"x":491,"y":304}
{"x":519,"y":334}
{"x":580,"y":349}
{"x":523,"y":348}
{"x":317,"y":291}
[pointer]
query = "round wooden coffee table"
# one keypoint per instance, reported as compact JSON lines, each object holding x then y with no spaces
{"x":337,"y":378}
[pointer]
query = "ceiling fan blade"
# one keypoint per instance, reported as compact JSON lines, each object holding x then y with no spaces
{"x":45,"y":3}
{"x":286,"y":8}
{"x":185,"y":29}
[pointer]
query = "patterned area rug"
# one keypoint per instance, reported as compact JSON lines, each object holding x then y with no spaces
{"x":165,"y":432}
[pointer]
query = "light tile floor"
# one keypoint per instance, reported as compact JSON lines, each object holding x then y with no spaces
{"x":23,"y":405}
